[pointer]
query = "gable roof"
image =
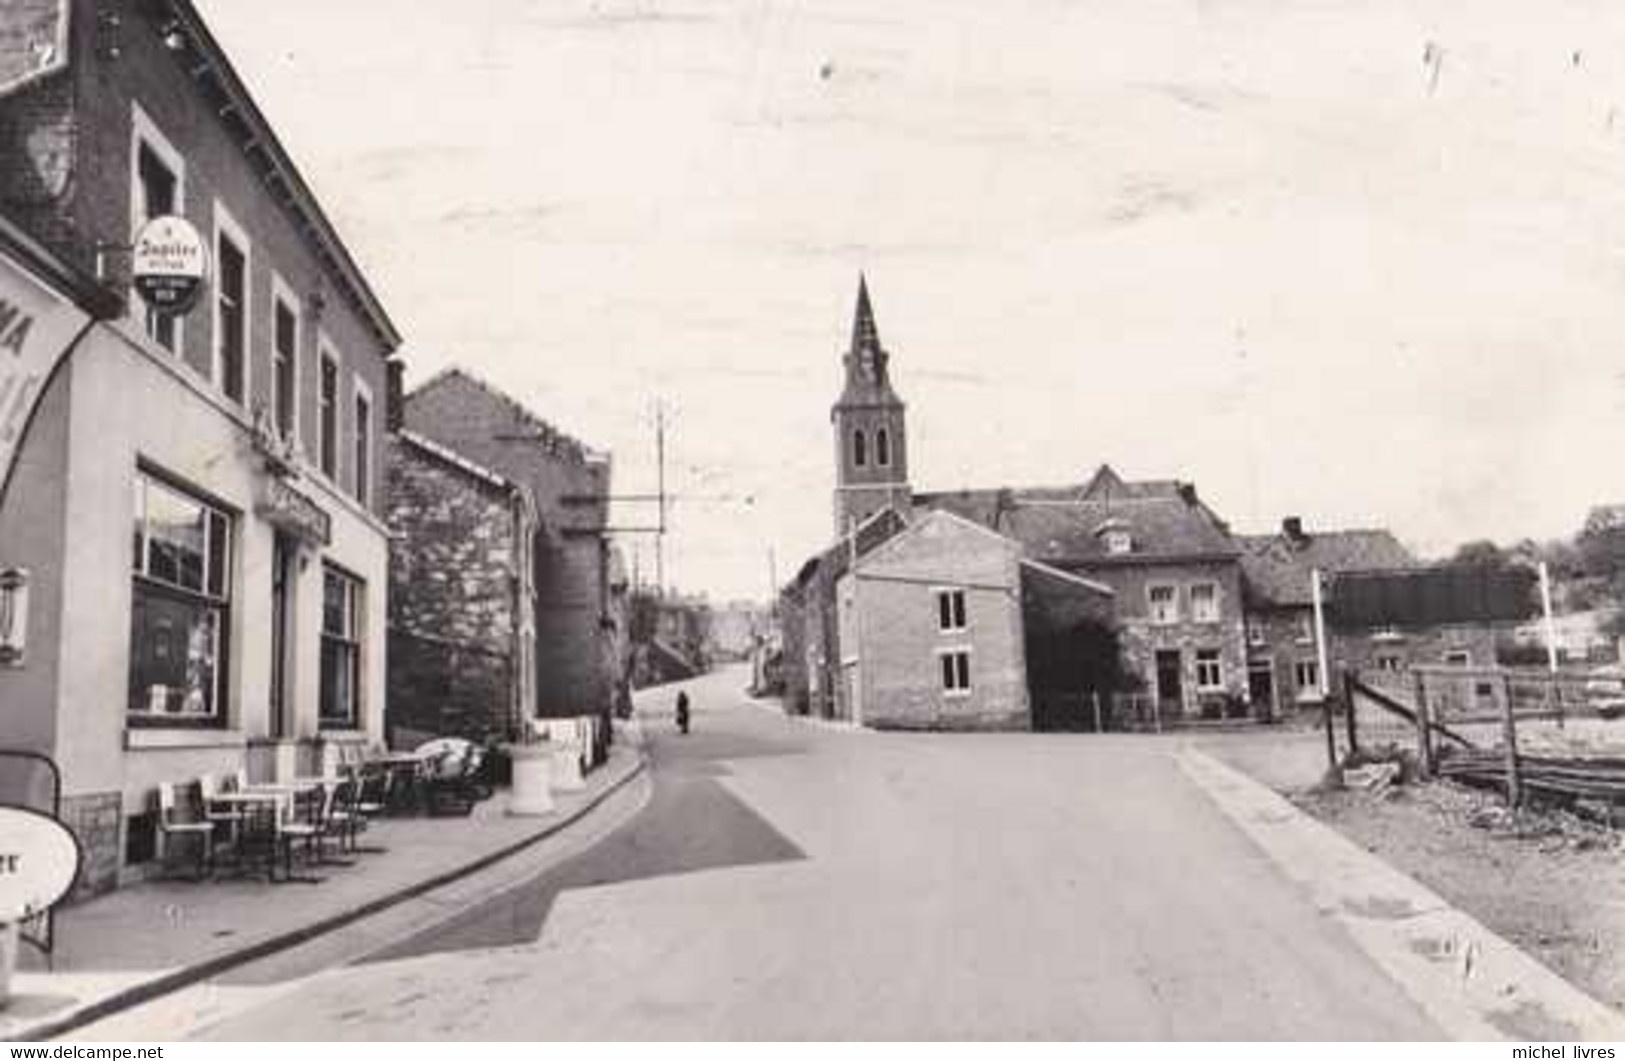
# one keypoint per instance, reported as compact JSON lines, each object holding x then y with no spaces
{"x":556,"y":441}
{"x":925,"y":519}
{"x":1275,"y":567}
{"x":450,"y":458}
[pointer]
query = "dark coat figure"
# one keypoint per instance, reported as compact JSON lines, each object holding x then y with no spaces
{"x":682,"y":712}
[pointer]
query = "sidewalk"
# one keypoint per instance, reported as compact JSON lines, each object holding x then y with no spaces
{"x":148,"y":939}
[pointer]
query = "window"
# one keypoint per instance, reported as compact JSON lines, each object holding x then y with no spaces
{"x":1205,"y":602}
{"x":951,"y":610}
{"x":955,"y":672}
{"x":284,"y":362}
{"x":231,"y":305}
{"x":1306,"y":628}
{"x":1118,"y":541}
{"x":180,"y":611}
{"x":1458,"y":658}
{"x":1389,"y":663}
{"x":883,"y":448}
{"x":340,"y":699}
{"x":860,"y":449}
{"x":1164,"y":601}
{"x":1209,"y":671}
{"x":1256,"y":632}
{"x":1307,"y":674}
{"x":157,"y":188}
{"x":329,"y":422}
{"x":363,"y":444}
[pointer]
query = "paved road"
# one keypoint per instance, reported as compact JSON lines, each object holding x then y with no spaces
{"x":788,"y":881}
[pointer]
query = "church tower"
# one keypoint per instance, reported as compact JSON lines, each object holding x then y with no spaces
{"x":871,"y":448}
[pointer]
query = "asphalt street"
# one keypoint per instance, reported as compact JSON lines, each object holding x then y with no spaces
{"x":792,"y":881}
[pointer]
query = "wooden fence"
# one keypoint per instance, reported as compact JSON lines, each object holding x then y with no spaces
{"x":1522,"y":730}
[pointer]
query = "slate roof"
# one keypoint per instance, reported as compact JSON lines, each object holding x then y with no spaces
{"x":1165,"y":518}
{"x":1276,"y":568}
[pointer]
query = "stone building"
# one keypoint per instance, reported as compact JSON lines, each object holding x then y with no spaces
{"x":1169,"y":561}
{"x":197,"y":501}
{"x":462,"y":600}
{"x":578,"y":659}
{"x":1283,"y":662}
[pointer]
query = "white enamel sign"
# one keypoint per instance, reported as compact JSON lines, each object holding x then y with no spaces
{"x":36,"y":327}
{"x":33,"y":41}
{"x":39,"y":860}
{"x":168,"y":263}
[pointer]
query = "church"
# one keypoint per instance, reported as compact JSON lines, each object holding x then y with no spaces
{"x":919,"y":616}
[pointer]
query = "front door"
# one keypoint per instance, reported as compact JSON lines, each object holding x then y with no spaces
{"x":1261,"y":687}
{"x":284,"y":555}
{"x":1170,"y":682}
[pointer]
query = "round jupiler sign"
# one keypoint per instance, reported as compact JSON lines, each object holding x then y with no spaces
{"x":168,"y":264}
{"x":39,"y":860}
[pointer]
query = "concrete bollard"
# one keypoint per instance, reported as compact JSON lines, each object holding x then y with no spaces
{"x":532,"y":777}
{"x":567,"y":768}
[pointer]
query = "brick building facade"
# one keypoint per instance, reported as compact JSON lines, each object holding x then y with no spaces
{"x":462,"y":597}
{"x":246,"y":628}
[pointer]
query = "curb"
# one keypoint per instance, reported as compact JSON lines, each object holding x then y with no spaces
{"x":1471,"y":982}
{"x":167,"y":983}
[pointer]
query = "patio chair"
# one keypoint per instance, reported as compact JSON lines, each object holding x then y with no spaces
{"x":231,"y":817}
{"x":344,"y":820}
{"x":171,"y":825}
{"x":299,"y":821}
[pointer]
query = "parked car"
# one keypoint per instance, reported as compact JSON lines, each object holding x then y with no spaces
{"x":1605,"y":691}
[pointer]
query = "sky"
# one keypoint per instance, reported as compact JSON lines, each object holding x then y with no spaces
{"x":1360,"y":261}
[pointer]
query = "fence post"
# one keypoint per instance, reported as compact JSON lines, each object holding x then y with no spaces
{"x":1095,"y":696}
{"x":1509,"y":736}
{"x":1424,"y":724}
{"x":1348,"y":706}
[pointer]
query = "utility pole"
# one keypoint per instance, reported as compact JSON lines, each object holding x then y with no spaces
{"x":660,"y":478}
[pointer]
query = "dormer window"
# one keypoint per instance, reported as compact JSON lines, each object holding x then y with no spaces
{"x":1115,"y":537}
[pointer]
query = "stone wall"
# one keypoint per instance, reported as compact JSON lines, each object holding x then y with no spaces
{"x":96,"y":820}
{"x":456,"y":579}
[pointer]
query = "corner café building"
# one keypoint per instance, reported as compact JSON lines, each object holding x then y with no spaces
{"x":192,"y":534}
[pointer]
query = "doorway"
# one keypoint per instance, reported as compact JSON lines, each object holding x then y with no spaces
{"x":1170,"y":682}
{"x":1261,"y":687}
{"x":284,"y":557}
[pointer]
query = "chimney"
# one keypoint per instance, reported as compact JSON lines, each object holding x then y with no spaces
{"x":1292,"y":527}
{"x":1187,"y":491}
{"x":395,"y":399}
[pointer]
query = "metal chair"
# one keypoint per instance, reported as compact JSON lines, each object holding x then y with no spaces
{"x":171,"y":824}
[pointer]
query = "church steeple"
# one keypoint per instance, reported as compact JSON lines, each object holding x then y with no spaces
{"x":871,"y":453}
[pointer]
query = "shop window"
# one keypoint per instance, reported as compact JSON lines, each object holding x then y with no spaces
{"x":1205,"y":602}
{"x":951,"y":617}
{"x":955,"y":672}
{"x":1164,"y":604}
{"x":180,"y":611}
{"x":340,"y":700}
{"x":1209,"y":670}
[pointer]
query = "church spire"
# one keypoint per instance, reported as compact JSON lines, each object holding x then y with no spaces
{"x":867,"y":379}
{"x":864,"y":333}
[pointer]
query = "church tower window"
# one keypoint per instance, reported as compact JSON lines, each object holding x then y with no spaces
{"x":882,"y":448}
{"x":860,"y":449}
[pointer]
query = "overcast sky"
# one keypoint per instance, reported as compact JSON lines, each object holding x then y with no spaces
{"x":1357,"y":260}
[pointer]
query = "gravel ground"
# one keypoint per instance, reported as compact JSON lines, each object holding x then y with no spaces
{"x":1550,"y":882}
